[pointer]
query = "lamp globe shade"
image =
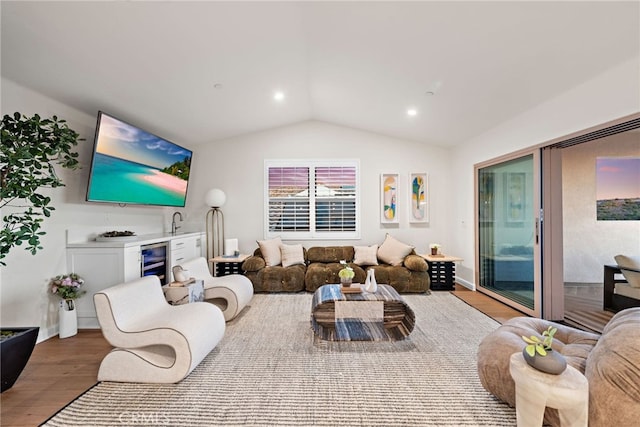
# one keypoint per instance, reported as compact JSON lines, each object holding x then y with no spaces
{"x":215,"y":198}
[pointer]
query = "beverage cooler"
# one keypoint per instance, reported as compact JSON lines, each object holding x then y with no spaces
{"x":155,"y":261}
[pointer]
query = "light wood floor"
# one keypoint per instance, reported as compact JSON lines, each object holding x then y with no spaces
{"x":61,"y":369}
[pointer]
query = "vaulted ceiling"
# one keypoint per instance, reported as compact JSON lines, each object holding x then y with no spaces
{"x":197,"y":72}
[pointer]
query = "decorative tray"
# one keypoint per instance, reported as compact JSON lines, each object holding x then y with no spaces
{"x":117,"y":236}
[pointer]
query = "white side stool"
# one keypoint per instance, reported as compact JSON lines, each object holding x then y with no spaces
{"x":535,"y":390}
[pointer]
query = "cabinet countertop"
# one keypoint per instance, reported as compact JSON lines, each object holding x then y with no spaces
{"x":144,"y":239}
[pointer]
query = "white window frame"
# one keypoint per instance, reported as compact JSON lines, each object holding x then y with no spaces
{"x":312,"y":234}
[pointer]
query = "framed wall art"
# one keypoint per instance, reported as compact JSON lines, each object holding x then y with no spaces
{"x":515,"y":197}
{"x":618,"y":188}
{"x":389,"y":198}
{"x":418,"y":198}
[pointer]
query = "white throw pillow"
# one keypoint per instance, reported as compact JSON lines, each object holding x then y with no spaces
{"x":291,"y":255}
{"x":393,"y":251}
{"x":633,"y":262}
{"x":366,"y":255}
{"x":271,"y":251}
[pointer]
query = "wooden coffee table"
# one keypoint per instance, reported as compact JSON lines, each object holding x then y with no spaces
{"x":379,"y":316}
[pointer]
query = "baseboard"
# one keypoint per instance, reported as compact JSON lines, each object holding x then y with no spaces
{"x":46,"y":333}
{"x":466,"y":284}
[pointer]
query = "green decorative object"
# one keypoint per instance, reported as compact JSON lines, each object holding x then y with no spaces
{"x":539,"y":355}
{"x":31,"y":147}
{"x":346,"y":274}
{"x":540,"y":346}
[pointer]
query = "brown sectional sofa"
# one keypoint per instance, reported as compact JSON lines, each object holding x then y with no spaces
{"x":322,"y":265}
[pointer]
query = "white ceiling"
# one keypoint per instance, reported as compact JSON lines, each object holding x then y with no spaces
{"x":357,"y":64}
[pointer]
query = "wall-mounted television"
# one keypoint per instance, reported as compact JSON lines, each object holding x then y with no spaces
{"x":133,"y":166}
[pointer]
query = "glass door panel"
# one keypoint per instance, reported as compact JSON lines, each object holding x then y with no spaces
{"x":507,"y":232}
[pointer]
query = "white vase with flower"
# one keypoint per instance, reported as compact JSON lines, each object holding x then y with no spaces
{"x":67,"y":287}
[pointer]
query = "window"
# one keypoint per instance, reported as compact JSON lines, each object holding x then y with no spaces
{"x":312,"y":199}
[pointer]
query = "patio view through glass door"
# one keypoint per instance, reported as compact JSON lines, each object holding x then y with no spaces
{"x":508,"y":232}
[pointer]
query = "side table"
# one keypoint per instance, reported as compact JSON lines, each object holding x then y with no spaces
{"x":442,"y":271}
{"x":177,"y":295}
{"x":535,"y":390}
{"x":225,"y":265}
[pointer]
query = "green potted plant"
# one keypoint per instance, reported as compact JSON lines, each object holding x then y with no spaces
{"x":346,"y":274}
{"x":434,"y":248}
{"x":31,"y":147}
{"x":16,"y":346}
{"x":539,"y":354}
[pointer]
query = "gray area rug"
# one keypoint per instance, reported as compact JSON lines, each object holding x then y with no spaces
{"x":270,"y":369}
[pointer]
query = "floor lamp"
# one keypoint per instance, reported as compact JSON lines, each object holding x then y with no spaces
{"x":215,"y":198}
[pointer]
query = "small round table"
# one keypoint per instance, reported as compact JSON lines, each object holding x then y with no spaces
{"x":535,"y":390}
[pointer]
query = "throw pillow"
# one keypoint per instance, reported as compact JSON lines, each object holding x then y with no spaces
{"x":366,"y":255}
{"x":271,"y":251}
{"x":291,"y":255}
{"x":633,"y":262}
{"x":393,"y":251}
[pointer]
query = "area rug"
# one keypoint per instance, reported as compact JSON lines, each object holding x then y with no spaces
{"x":270,"y":370}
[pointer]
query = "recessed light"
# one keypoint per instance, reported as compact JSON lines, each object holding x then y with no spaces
{"x":278,"y":96}
{"x":412,"y":112}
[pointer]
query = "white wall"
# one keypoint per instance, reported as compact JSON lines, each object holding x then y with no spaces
{"x":611,"y":95}
{"x":588,"y":243}
{"x":23,"y":282}
{"x":236,"y":166}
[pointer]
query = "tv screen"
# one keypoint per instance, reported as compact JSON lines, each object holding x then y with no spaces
{"x":132,"y":166}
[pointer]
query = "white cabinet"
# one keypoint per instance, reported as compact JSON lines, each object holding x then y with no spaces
{"x":104,"y":264}
{"x":101,"y":268}
{"x":184,"y":249}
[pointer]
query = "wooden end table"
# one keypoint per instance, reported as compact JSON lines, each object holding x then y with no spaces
{"x":379,"y":316}
{"x":225,"y":265}
{"x":442,"y":271}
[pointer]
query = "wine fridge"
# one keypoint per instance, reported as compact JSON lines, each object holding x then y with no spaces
{"x":155,"y":261}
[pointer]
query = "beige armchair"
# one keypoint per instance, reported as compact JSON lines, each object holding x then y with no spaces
{"x":154,"y":342}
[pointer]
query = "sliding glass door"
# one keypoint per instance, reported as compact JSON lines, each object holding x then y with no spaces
{"x":508,"y":237}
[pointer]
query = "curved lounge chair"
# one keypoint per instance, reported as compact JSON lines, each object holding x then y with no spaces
{"x":231,"y":293}
{"x":155,"y":342}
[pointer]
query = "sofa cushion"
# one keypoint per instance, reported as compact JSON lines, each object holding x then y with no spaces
{"x":633,"y":263}
{"x":270,"y":250}
{"x":366,"y":255}
{"x":324,"y":273}
{"x":291,"y":255}
{"x":416,"y":263}
{"x":254,"y":262}
{"x":393,"y":251}
{"x":613,"y":371}
{"x":330,"y":254}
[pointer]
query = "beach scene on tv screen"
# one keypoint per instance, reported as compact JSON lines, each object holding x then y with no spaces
{"x":134,"y":166}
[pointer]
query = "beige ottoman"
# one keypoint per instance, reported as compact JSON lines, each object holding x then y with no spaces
{"x":495,"y":351}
